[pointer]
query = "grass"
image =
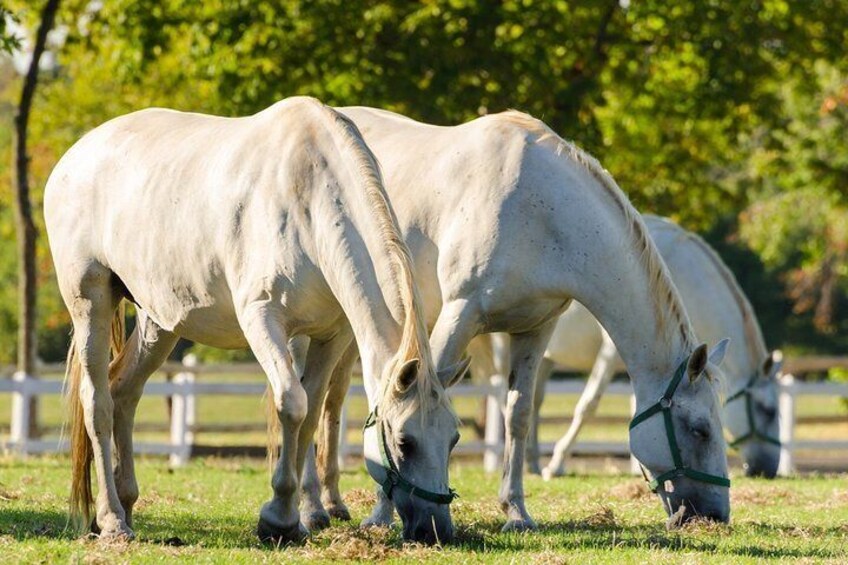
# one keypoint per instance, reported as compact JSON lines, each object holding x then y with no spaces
{"x":206,"y":512}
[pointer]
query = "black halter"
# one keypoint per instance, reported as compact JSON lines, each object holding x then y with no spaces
{"x":663,"y":405}
{"x":753,"y":432}
{"x":393,"y":477}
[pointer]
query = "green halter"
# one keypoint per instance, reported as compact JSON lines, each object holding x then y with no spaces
{"x":664,"y":405}
{"x":393,"y":477}
{"x":753,"y":432}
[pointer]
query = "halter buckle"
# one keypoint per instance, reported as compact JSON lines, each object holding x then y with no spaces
{"x":664,"y":402}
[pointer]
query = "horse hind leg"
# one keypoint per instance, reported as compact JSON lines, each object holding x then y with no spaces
{"x":601,"y":375}
{"x":328,"y":446}
{"x":91,"y":299}
{"x":147,"y":348}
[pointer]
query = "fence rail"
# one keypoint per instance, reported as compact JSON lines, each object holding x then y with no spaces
{"x":183,"y":389}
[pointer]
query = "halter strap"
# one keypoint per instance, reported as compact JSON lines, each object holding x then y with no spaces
{"x":663,"y":405}
{"x":394,"y":479}
{"x":753,"y":433}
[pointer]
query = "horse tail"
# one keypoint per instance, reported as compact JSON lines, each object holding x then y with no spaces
{"x":273,"y":428}
{"x":82,"y":454}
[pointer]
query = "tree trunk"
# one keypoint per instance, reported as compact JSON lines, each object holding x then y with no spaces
{"x":24,"y":223}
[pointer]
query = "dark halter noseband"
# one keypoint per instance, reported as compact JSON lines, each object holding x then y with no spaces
{"x":753,"y":432}
{"x":663,"y":405}
{"x":394,"y":479}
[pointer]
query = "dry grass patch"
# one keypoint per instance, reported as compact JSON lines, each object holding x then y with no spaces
{"x":631,"y":490}
{"x":762,"y":495}
{"x":603,"y":517}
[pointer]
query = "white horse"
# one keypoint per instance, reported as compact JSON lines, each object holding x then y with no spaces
{"x":718,"y":308}
{"x":238,"y":232}
{"x":507,"y":223}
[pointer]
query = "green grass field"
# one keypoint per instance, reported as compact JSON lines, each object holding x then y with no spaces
{"x":207,"y":511}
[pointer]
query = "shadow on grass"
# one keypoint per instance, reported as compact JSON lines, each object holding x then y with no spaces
{"x":579,"y":535}
{"x":28,"y":524}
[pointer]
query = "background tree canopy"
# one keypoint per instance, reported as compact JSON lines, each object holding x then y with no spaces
{"x":730,"y":117}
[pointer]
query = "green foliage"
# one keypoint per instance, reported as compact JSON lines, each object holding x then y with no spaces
{"x":8,"y":41}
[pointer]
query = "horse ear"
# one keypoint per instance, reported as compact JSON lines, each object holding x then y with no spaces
{"x":718,"y":352}
{"x":697,"y":363}
{"x":773,"y":364}
{"x":453,"y":374}
{"x":406,"y":376}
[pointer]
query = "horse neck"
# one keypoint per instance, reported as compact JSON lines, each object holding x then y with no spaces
{"x":365,"y":262}
{"x":714,"y":300}
{"x":626,"y":287}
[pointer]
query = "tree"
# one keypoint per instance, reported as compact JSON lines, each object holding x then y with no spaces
{"x":27,"y":234}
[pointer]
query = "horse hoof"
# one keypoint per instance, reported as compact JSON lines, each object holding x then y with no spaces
{"x":339,"y":512}
{"x":118,"y":534}
{"x":525,"y":525}
{"x":534,"y":469}
{"x":548,"y":474}
{"x":315,"y":520}
{"x":279,"y":536}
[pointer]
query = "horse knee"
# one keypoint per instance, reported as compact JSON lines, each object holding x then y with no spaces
{"x":292,"y":406}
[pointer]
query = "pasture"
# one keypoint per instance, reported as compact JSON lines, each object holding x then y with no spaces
{"x":206,"y":512}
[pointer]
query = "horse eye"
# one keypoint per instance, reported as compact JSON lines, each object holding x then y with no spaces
{"x":768,"y":411}
{"x":700,"y":432}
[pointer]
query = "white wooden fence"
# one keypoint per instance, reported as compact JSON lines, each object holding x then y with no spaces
{"x":184,"y":390}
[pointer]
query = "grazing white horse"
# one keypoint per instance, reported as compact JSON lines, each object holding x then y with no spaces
{"x":507,"y":223}
{"x":238,"y":232}
{"x":718,"y":308}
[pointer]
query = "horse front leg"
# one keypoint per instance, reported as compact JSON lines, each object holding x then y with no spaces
{"x":546,"y":367}
{"x":527,"y":350}
{"x":279,"y":519}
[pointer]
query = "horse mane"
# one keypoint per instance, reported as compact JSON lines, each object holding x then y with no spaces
{"x":754,"y":341}
{"x":665,"y":295}
{"x":414,"y":343}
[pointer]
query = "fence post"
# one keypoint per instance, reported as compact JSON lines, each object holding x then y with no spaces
{"x":494,"y":433}
{"x":20,"y":412}
{"x":190,"y":361}
{"x":180,"y":448}
{"x":786,"y":414}
{"x":635,"y":467}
